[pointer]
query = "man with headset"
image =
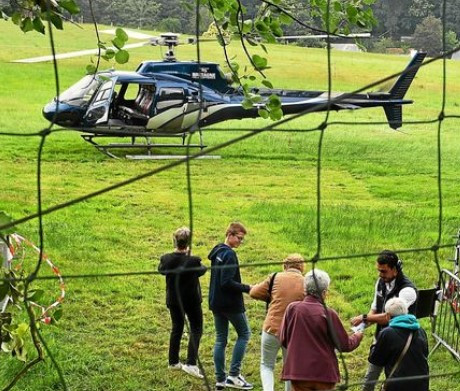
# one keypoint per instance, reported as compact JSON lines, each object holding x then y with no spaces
{"x":391,"y":283}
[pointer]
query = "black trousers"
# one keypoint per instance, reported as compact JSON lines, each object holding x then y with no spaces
{"x":195,"y":317}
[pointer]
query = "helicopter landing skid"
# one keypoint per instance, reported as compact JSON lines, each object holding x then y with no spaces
{"x":149,"y":145}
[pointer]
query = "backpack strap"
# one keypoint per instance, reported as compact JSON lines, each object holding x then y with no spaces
{"x":398,"y":361}
{"x":270,"y":288}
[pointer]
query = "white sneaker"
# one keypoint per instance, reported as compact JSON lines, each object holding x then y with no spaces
{"x":238,"y":382}
{"x":192,"y":370}
{"x":220,"y":386}
{"x":175,"y":367}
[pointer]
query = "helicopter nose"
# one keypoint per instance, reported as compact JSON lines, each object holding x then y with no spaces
{"x":62,"y":114}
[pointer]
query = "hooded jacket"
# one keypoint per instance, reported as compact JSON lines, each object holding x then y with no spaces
{"x":225,"y":288}
{"x":390,"y":343}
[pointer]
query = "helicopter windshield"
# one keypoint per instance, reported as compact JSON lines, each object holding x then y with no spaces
{"x":81,"y":92}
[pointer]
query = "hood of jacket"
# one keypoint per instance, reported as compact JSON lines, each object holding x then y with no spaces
{"x":408,"y":321}
{"x":218,"y":249}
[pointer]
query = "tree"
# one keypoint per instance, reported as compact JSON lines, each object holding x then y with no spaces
{"x":428,"y":36}
{"x":393,"y":18}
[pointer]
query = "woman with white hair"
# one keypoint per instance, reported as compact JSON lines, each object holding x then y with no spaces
{"x":402,"y":348}
{"x":310,"y":333}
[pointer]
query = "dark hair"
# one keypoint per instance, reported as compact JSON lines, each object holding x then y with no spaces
{"x":388,"y":257}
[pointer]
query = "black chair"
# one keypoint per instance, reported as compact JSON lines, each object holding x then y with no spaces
{"x":425,"y":302}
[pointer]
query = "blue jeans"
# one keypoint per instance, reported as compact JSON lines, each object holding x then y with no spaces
{"x":241,"y":326}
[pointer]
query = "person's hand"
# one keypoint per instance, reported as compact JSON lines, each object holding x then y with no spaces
{"x":359,"y":334}
{"x":357,"y":320}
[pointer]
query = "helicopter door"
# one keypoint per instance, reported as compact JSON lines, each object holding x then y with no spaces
{"x":98,"y":110}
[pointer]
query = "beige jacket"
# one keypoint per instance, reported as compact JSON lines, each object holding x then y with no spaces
{"x":287,"y":287}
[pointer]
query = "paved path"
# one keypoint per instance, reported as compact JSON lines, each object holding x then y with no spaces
{"x":90,"y":52}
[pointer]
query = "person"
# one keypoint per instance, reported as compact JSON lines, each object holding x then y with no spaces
{"x":392,"y":282}
{"x":391,"y":342}
{"x":311,"y":333}
{"x":183,"y":297}
{"x":227,"y":306}
{"x":286,"y":287}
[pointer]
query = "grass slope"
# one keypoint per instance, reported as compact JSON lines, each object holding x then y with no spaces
{"x":379,"y":190}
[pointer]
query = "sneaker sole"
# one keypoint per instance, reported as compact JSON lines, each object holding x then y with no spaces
{"x":192,"y":373}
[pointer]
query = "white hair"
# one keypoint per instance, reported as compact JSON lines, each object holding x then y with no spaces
{"x":396,"y":306}
{"x":316,"y":282}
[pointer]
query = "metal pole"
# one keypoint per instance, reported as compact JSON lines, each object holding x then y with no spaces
{"x":5,"y":256}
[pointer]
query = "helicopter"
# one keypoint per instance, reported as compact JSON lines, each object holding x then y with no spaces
{"x":172,"y":98}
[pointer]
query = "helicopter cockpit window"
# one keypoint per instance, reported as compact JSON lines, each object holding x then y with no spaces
{"x":170,"y":97}
{"x":82,"y":92}
{"x":104,"y":92}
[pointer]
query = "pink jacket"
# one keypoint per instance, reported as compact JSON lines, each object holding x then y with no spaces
{"x":287,"y":287}
{"x":310,"y":349}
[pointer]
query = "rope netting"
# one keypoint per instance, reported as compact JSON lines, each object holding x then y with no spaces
{"x":247,"y":133}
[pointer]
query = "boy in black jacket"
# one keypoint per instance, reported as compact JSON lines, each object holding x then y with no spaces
{"x":227,"y":305}
{"x":183,"y":297}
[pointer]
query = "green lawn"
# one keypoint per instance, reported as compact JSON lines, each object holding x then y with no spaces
{"x":379,"y":190}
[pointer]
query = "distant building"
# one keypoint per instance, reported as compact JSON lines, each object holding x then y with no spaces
{"x":346,"y":47}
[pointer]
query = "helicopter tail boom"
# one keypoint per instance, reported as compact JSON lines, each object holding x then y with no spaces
{"x":402,"y":84}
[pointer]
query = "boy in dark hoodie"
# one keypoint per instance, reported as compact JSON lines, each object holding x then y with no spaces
{"x":227,"y":305}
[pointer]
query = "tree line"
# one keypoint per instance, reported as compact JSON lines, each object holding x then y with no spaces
{"x":420,"y":19}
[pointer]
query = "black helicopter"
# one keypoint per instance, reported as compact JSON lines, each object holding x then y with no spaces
{"x":163,"y":99}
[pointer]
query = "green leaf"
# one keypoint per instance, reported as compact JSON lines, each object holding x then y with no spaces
{"x":276,"y":114}
{"x":35,"y":295}
{"x":22,"y":330}
{"x":56,"y":20}
{"x":122,"y":57}
{"x":234,"y":66}
{"x":4,"y":287}
{"x":267,"y":83}
{"x":121,"y":34}
{"x":6,"y":219}
{"x":352,"y":11}
{"x":118,"y":43}
{"x":38,"y":25}
{"x":247,"y":104}
{"x":27,"y":25}
{"x":261,"y":26}
{"x":109,"y":54}
{"x":247,"y":26}
{"x":57,"y":314}
{"x":90,"y":69}
{"x":16,"y":18}
{"x":259,"y":62}
{"x":263,"y":113}
{"x":285,"y":19}
{"x":70,"y":6}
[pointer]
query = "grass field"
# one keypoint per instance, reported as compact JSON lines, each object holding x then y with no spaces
{"x":379,"y":190}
